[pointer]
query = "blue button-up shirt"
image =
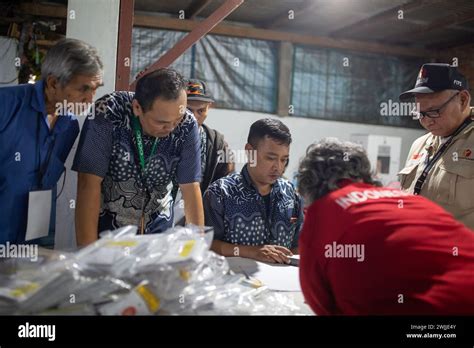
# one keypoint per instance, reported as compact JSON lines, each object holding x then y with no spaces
{"x":25,"y":138}
{"x":237,"y":211}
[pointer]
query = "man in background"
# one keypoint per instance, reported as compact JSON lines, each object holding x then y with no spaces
{"x":213,"y":147}
{"x":440,"y":164}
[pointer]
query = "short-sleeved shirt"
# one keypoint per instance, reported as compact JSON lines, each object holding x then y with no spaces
{"x":25,"y":140}
{"x":368,"y":250}
{"x":107,"y":148}
{"x":237,"y":211}
{"x":450,"y":183}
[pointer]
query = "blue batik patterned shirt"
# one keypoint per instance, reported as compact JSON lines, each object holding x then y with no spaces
{"x":237,"y":211}
{"x":108,"y":149}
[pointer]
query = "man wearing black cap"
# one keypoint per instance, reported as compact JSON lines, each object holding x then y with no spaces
{"x":213,"y":148}
{"x":440,"y":165}
{"x":212,"y":142}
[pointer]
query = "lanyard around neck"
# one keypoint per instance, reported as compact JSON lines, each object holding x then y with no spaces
{"x":421,"y":180}
{"x":42,"y":167}
{"x":138,"y":136}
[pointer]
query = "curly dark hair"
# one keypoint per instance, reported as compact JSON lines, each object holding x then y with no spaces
{"x":329,"y":161}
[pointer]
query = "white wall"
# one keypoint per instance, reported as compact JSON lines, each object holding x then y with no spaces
{"x":96,"y":22}
{"x":8,"y":69}
{"x":235,"y":126}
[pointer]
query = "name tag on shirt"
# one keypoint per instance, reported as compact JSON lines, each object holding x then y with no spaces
{"x":39,"y":214}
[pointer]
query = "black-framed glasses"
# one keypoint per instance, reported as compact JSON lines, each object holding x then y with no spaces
{"x":432,"y":113}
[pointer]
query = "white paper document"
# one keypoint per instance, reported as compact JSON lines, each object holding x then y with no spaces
{"x":276,"y":277}
{"x":39,"y":214}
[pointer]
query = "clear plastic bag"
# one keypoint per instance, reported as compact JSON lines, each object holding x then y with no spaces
{"x":32,"y":289}
{"x":126,"y":274}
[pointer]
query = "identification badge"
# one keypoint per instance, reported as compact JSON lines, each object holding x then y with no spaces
{"x":39,"y":214}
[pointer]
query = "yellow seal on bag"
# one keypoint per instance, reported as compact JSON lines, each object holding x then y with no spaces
{"x":24,"y":289}
{"x":149,"y":297}
{"x":187,"y":247}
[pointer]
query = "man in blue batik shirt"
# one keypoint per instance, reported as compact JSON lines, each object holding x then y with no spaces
{"x":129,"y":153}
{"x":256,"y":213}
{"x":37,"y":130}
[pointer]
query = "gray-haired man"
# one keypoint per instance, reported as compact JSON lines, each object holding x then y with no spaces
{"x":35,"y":141}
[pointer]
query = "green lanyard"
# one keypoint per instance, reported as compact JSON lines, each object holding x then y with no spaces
{"x":138,"y":135}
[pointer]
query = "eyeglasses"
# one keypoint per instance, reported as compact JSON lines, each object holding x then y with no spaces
{"x":431,"y":113}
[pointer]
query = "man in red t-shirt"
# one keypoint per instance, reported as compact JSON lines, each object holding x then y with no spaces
{"x":369,"y":250}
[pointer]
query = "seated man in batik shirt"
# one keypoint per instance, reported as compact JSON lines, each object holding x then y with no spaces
{"x":256,"y":213}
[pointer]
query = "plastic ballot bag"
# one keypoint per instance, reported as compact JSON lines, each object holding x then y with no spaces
{"x":123,"y":273}
{"x":123,"y":253}
{"x":55,"y":282}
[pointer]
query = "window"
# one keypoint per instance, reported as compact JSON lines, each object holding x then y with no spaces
{"x":240,"y":73}
{"x":347,"y":86}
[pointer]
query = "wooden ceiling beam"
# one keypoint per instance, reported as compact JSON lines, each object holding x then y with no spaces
{"x":196,"y":7}
{"x":162,"y":22}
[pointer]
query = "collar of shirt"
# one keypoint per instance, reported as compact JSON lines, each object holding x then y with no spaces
{"x":38,"y":98}
{"x":442,"y":140}
{"x":38,"y":102}
{"x":432,"y":146}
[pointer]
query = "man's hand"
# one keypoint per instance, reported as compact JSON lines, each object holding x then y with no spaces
{"x":270,"y":253}
{"x":264,"y":253}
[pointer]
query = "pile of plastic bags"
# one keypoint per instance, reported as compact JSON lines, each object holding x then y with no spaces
{"x":126,"y":274}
